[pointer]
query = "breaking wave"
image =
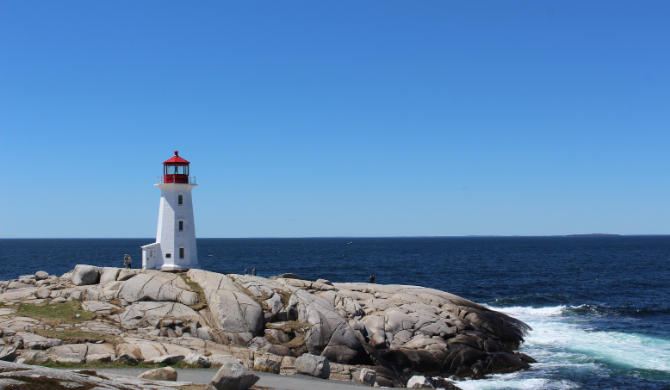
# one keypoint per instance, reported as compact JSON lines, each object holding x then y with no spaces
{"x":567,"y":347}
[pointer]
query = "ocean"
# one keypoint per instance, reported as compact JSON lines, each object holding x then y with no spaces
{"x":599,"y":306}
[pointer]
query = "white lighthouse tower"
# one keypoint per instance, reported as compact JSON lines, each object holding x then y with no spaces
{"x":175,"y":247}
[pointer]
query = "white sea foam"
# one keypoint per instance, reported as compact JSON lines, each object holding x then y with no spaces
{"x":500,"y":382}
{"x":554,"y":332}
{"x":563,"y":345}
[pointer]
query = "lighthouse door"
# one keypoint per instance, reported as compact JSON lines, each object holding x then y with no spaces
{"x":149,"y":255}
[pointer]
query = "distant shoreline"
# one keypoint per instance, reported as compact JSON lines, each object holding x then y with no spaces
{"x":592,"y":235}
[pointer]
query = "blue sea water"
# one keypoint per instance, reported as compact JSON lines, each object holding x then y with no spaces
{"x":599,"y":306}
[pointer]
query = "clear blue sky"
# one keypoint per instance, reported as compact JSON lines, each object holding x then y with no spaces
{"x":316,"y":118}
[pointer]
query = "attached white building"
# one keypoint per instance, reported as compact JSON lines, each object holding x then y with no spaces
{"x":175,"y":247}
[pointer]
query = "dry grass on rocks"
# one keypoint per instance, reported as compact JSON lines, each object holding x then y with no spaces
{"x":202,"y":301}
{"x":79,"y":336}
{"x":55,"y":313}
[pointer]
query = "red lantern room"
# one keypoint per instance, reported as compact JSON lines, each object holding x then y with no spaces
{"x":175,"y":170}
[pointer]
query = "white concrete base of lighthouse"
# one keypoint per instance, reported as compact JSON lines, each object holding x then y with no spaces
{"x":175,"y":247}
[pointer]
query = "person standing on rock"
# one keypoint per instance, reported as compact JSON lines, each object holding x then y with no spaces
{"x":253,"y":271}
{"x":372,"y":278}
{"x":127,"y":261}
{"x":246,"y":271}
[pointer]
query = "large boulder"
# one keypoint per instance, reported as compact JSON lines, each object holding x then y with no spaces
{"x":85,"y":274}
{"x":125,"y":274}
{"x":160,"y":374}
{"x":108,"y":274}
{"x":37,"y":357}
{"x":232,"y":375}
{"x":166,"y":359}
{"x":234,"y":310}
{"x":128,"y":352}
{"x":197,"y":360}
{"x":41,"y":275}
{"x":142,"y":314}
{"x":100,"y":350}
{"x":158,"y":286}
{"x":268,"y":362}
{"x":103,"y":308}
{"x":104,"y":292}
{"x":69,"y":353}
{"x":33,"y":341}
{"x":8,"y":354}
{"x":367,"y":376}
{"x":330,"y":334}
{"x":17,"y":285}
{"x":317,"y":366}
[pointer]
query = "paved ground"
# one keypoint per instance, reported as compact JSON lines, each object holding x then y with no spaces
{"x":278,"y":382}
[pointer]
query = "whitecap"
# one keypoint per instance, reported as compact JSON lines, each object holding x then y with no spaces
{"x":564,"y":341}
{"x":510,"y":382}
{"x":565,"y":347}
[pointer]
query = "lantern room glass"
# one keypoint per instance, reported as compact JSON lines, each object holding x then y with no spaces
{"x":176,"y":169}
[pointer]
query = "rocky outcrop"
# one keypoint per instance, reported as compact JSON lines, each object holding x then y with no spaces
{"x":197,"y":360}
{"x":275,"y":325}
{"x":24,"y":376}
{"x":317,"y":366}
{"x":157,"y":286}
{"x":160,"y":374}
{"x":367,"y":376}
{"x":154,"y":314}
{"x":8,"y":354}
{"x":268,"y":362}
{"x":33,"y":341}
{"x":85,"y":274}
{"x":108,"y":274}
{"x":233,"y":376}
{"x":234,"y":310}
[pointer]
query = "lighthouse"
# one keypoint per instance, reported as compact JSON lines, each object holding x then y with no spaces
{"x":175,"y":247}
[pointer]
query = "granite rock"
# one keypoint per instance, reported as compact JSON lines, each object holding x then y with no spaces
{"x":85,"y":274}
{"x":317,"y":366}
{"x":232,"y":376}
{"x":160,"y":374}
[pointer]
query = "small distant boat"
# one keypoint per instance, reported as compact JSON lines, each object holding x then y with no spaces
{"x":350,"y":242}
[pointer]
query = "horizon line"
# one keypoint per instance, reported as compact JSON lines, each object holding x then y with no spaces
{"x":349,"y":237}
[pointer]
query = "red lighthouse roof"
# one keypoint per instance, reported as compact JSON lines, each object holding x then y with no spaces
{"x":176,"y":160}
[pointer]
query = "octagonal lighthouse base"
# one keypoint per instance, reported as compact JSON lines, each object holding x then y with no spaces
{"x":175,"y":247}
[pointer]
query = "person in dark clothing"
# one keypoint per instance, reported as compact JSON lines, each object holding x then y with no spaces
{"x":372,"y":278}
{"x":253,"y":271}
{"x":127,"y":261}
{"x":246,"y":271}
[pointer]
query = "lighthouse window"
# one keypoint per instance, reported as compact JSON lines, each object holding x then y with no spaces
{"x":168,"y":255}
{"x":181,"y":225}
{"x":180,"y":199}
{"x":176,"y":169}
{"x":181,"y":253}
